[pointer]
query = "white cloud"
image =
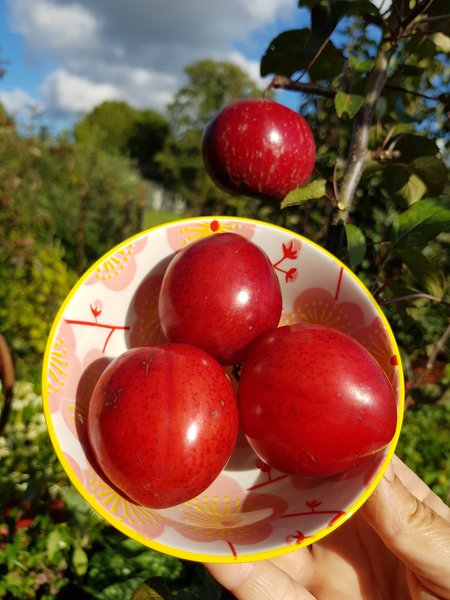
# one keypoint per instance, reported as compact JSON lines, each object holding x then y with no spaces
{"x":134,"y":50}
{"x":73,"y":93}
{"x":252,"y":67}
{"x":65,"y":92}
{"x":53,"y":28}
{"x":18,"y":102}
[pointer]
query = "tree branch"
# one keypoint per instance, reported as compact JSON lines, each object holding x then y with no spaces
{"x":280,"y":81}
{"x":285,"y":83}
{"x":416,"y":296}
{"x":399,"y":88}
{"x":438,"y":348}
{"x":359,"y":153}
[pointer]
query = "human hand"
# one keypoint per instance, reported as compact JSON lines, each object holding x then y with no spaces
{"x":396,"y":547}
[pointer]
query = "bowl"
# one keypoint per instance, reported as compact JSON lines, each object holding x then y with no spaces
{"x":251,"y":511}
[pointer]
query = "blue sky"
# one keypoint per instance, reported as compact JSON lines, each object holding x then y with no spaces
{"x":65,"y":56}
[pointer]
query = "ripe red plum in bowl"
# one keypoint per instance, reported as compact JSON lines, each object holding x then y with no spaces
{"x":250,"y":509}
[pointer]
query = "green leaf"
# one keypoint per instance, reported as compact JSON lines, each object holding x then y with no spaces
{"x":428,"y":275}
{"x":347,"y":104}
{"x":145,"y":592}
{"x":328,"y":66}
{"x":441,"y":41}
{"x":125,"y":589}
{"x":414,"y":189}
{"x":311,"y":191}
{"x":361,"y":66}
{"x":155,"y":588}
{"x":356,"y":244}
{"x":324,"y":19}
{"x":358,"y":7}
{"x":55,"y":541}
{"x":80,"y":560}
{"x":422,"y":222}
{"x":395,"y":177}
{"x":432,"y":170}
{"x":286,"y":53}
{"x":413,"y":146}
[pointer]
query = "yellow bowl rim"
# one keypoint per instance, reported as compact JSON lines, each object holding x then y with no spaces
{"x":196,"y":556}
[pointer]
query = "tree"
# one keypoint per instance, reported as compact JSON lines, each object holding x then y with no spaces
{"x":120,"y":129}
{"x":62,"y":206}
{"x":210,"y":86}
{"x":372,"y":83}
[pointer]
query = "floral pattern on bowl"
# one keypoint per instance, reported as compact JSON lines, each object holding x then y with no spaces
{"x":251,"y":512}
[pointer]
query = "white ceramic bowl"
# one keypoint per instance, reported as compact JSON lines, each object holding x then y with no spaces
{"x":251,"y":512}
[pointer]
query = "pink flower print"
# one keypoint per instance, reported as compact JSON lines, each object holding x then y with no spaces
{"x":181,"y":234}
{"x":140,"y":519}
{"x":224,"y":513}
{"x":117,"y":270}
{"x":75,"y":467}
{"x":375,"y":339}
{"x":63,"y":367}
{"x":317,"y":305}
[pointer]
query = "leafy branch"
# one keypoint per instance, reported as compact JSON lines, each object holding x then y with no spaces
{"x":286,"y":83}
{"x":314,"y":89}
{"x":415,"y":296}
{"x":358,"y":153}
{"x":402,"y":24}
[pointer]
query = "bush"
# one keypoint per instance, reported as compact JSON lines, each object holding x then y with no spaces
{"x":425,"y":445}
{"x":52,"y":544}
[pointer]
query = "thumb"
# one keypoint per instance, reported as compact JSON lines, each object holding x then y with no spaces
{"x":412,"y":531}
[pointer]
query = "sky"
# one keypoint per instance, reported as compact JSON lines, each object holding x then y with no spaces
{"x":63,"y":57}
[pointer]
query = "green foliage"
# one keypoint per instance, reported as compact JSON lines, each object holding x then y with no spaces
{"x":425,"y":445}
{"x":154,"y":218}
{"x":392,"y":226}
{"x":347,"y":104}
{"x":35,"y":281}
{"x":210,"y":86}
{"x":356,"y":244}
{"x":123,"y":130}
{"x":61,"y":207}
{"x":110,"y":124}
{"x":422,"y":222}
{"x":313,"y":190}
{"x":63,"y":204}
{"x":51,"y":542}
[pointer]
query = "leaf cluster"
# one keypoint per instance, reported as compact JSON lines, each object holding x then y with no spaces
{"x":62,"y":206}
{"x":392,"y":228}
{"x":52,"y":545}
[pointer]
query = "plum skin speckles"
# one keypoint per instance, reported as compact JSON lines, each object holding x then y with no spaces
{"x":258,"y":148}
{"x":219,"y":294}
{"x":158,"y":443}
{"x":313,"y":401}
